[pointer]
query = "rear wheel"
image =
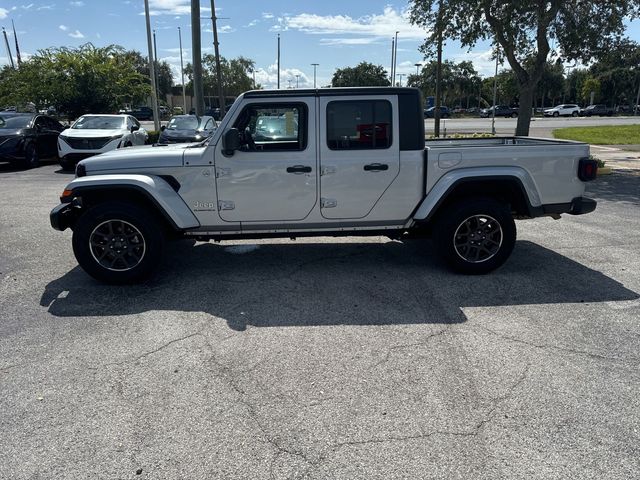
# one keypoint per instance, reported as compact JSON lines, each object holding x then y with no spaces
{"x":31,"y":157}
{"x":118,"y":243}
{"x":514,"y":115}
{"x":475,"y":235}
{"x":556,"y":114}
{"x":574,"y":114}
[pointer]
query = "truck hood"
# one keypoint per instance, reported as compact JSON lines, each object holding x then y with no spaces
{"x":148,"y":156}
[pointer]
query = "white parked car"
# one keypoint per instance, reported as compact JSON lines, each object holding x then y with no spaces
{"x":94,"y":134}
{"x":564,"y":110}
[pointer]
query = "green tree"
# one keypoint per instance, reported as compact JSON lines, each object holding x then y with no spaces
{"x":522,"y":29}
{"x":236,"y":75}
{"x":618,"y":72}
{"x":362,"y":75}
{"x":589,"y":85}
{"x":76,"y":80}
{"x":163,"y":70}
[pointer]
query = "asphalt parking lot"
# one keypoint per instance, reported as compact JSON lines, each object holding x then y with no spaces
{"x":323,"y":358}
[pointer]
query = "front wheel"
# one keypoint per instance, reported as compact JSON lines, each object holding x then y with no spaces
{"x":514,"y":115}
{"x":118,"y":243}
{"x":574,"y":114}
{"x":475,"y":235}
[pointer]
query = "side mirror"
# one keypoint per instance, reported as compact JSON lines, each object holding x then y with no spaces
{"x":134,"y":128}
{"x":230,"y":141}
{"x":163,"y":128}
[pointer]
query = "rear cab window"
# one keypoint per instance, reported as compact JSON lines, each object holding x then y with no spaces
{"x":359,"y":124}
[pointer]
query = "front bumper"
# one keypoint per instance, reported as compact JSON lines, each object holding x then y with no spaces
{"x":63,"y":216}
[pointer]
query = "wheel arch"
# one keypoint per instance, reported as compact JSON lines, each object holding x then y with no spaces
{"x":511,"y":185}
{"x":151,"y":192}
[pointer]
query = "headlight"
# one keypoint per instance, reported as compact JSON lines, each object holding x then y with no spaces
{"x":199,"y":137}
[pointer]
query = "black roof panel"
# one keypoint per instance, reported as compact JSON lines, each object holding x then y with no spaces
{"x":327,"y":92}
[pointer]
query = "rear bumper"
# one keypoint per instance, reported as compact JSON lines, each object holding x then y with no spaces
{"x":577,"y":206}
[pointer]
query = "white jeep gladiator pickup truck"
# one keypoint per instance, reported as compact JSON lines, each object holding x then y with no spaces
{"x":326,"y":162}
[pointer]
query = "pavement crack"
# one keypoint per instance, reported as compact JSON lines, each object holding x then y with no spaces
{"x":395,"y":348}
{"x":161,"y":347}
{"x":545,"y":346}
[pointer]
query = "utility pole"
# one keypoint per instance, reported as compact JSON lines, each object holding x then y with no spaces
{"x":278,"y":61}
{"x":152,"y":70}
{"x":216,"y":47}
{"x":495,"y":92}
{"x":15,"y":37}
{"x":6,"y":41}
{"x":315,"y":66}
{"x":297,"y":80}
{"x":196,"y":46}
{"x":184,"y":87}
{"x":391,"y":74}
{"x":635,"y":107}
{"x":436,"y":111}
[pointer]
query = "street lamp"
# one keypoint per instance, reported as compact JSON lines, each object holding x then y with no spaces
{"x":400,"y":75}
{"x":297,"y":80}
{"x":418,"y":65}
{"x":315,"y":65}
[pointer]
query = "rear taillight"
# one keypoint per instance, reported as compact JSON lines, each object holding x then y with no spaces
{"x":587,"y":169}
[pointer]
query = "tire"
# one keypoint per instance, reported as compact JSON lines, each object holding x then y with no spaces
{"x":574,"y":114}
{"x":514,"y":115}
{"x":31,"y":157}
{"x":66,"y":164}
{"x":130,"y":258}
{"x":556,"y":114}
{"x":453,"y":236}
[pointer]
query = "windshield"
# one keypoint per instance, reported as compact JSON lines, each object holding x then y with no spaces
{"x":13,"y":123}
{"x":183,"y":123}
{"x":98,"y":123}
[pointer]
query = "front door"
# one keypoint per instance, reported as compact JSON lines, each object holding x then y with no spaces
{"x":359,"y":154}
{"x":273,"y":178}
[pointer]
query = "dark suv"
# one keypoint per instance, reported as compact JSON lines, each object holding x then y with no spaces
{"x":599,"y":109}
{"x":142,"y":113}
{"x":501,"y":111}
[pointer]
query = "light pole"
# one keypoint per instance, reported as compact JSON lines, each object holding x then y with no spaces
{"x":393,"y":50}
{"x":184,"y":88}
{"x":6,"y":41}
{"x":315,"y":66}
{"x":152,"y":70}
{"x":400,"y":75}
{"x":417,"y":65}
{"x":156,"y":64}
{"x":495,"y":92}
{"x":289,"y":80}
{"x":297,"y":80}
{"x":278,"y":61}
{"x":395,"y":55}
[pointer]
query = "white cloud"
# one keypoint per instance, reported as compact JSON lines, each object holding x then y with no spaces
{"x":482,"y":61}
{"x":173,"y":7}
{"x":268,"y":78}
{"x":3,"y":13}
{"x":26,"y":7}
{"x":383,"y":25}
{"x":349,"y":41}
{"x":267,"y":15}
{"x":77,"y":4}
{"x":252,"y":23}
{"x":221,"y":29}
{"x":76,"y":34}
{"x":64,"y":28}
{"x":46,"y":7}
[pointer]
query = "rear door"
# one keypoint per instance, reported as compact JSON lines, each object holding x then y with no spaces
{"x":359,"y":153}
{"x":274,"y":177}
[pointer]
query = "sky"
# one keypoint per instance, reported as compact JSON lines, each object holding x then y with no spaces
{"x":332,"y":33}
